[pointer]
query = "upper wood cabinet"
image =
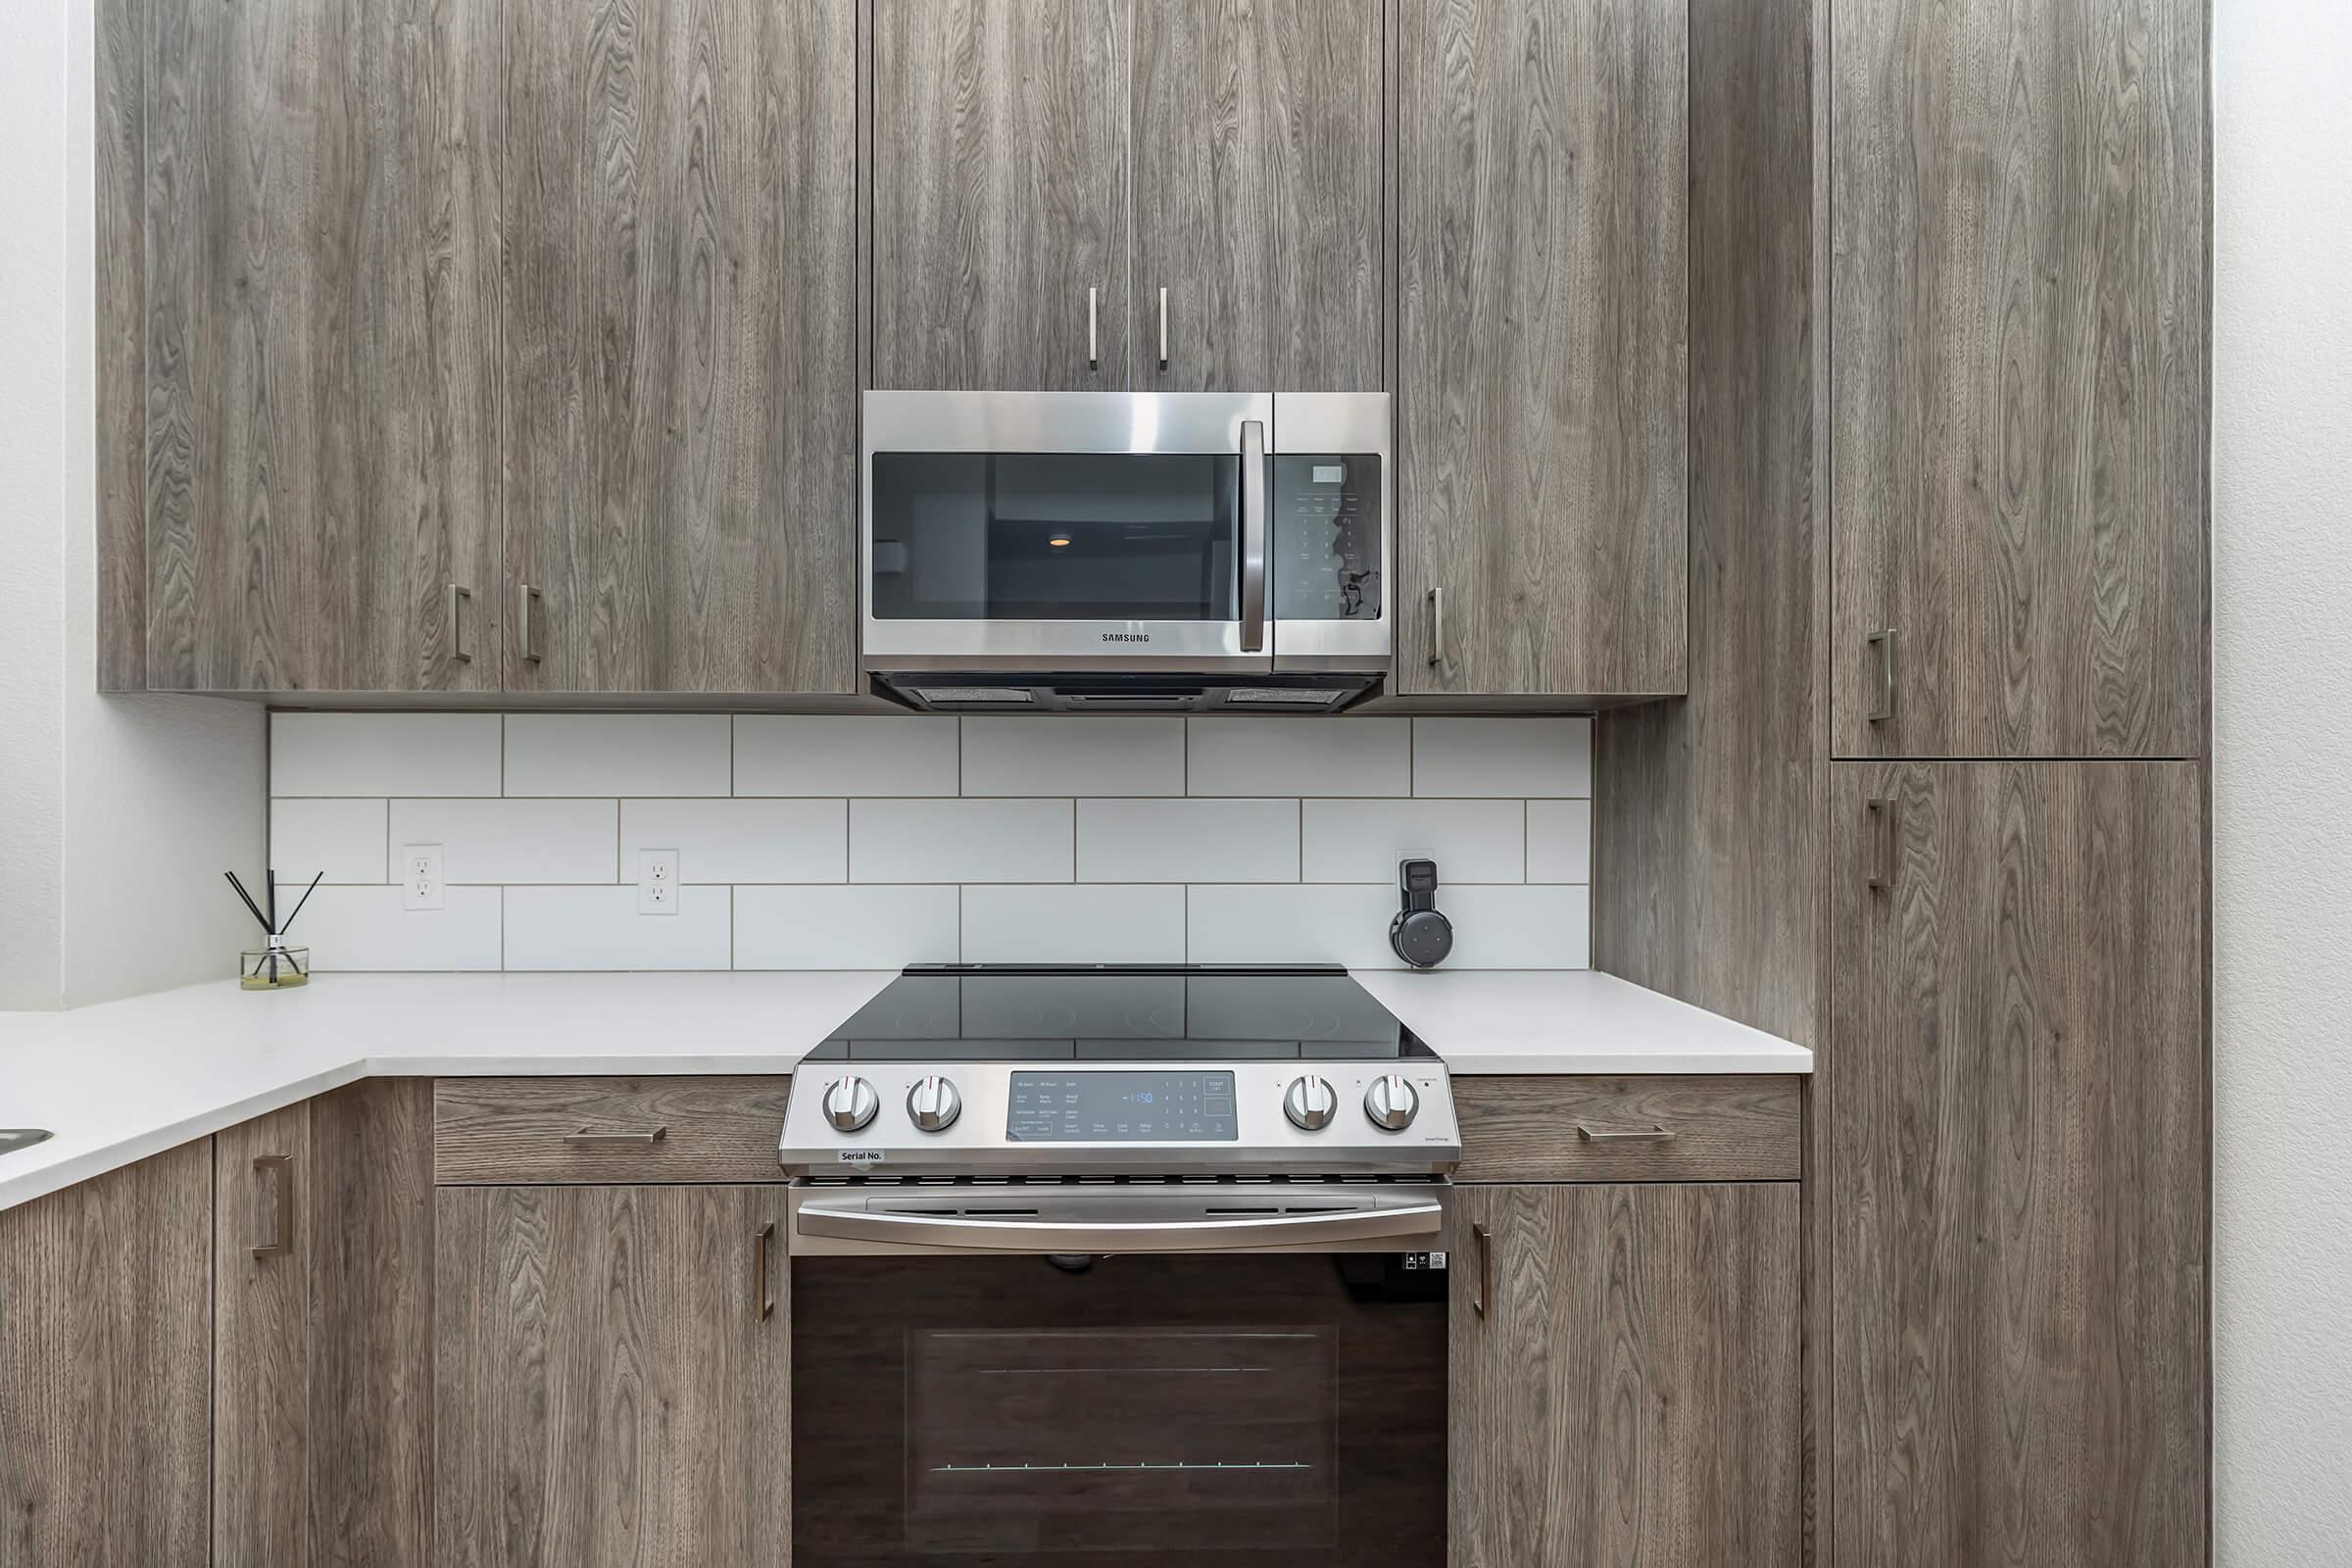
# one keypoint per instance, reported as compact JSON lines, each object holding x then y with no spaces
{"x":319,"y":357}
{"x":1000,"y":173}
{"x":2017,"y":1187}
{"x":2019,"y":379}
{"x":1540,"y":496}
{"x":1257,"y":134}
{"x":1624,"y":1375}
{"x":681,"y":352}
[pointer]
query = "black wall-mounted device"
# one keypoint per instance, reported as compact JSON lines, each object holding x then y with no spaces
{"x":1420,"y":935}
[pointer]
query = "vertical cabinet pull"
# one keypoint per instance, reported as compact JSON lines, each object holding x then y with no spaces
{"x":763,"y":1300}
{"x":1882,"y":843}
{"x":529,"y":598}
{"x":277,"y":1173}
{"x":1093,"y":346}
{"x":1163,"y":332}
{"x":1484,"y":1239}
{"x":1883,"y":640}
{"x":1437,"y":628}
{"x":457,"y":600}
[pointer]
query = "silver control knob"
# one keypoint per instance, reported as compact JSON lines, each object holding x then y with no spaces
{"x":850,"y":1103}
{"x":1311,"y":1104}
{"x":1392,"y":1102}
{"x":933,"y":1104}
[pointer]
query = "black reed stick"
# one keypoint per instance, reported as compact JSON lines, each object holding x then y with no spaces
{"x":305,"y":899}
{"x":249,"y":903}
{"x":270,"y":881}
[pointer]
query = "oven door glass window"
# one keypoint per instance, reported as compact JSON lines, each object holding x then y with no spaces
{"x":1055,"y":536}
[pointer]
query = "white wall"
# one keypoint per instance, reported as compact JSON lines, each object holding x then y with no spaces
{"x":116,"y":815}
{"x":2283,"y":783}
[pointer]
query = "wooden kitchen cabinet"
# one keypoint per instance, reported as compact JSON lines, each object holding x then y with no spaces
{"x":1541,"y":510}
{"x":2018,"y":378}
{"x":613,"y":1373}
{"x":2017,"y":1195}
{"x":105,"y":1411}
{"x":1625,"y":1380}
{"x":322,"y":1331}
{"x":681,"y":346}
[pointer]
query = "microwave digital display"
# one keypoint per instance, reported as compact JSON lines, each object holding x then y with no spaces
{"x":1326,"y":522}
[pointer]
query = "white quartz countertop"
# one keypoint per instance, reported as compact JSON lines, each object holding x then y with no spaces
{"x":119,"y":1082}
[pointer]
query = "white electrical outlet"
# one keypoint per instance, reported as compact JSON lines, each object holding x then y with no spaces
{"x":657,"y":881}
{"x":420,"y":876}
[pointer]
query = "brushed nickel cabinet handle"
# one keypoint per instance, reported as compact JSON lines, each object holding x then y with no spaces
{"x":1437,"y":628}
{"x":762,"y":1297}
{"x":530,"y":598}
{"x":1652,"y":1134}
{"x":1881,"y":852}
{"x":1484,"y":1239}
{"x":458,"y":598}
{"x":278,"y":1171}
{"x":1093,"y":346}
{"x":1163,"y":332}
{"x":1883,"y":640}
{"x":587,"y":1138}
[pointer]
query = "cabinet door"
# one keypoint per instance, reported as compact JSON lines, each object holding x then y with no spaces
{"x":613,"y":1387}
{"x":1258,"y":202}
{"x":2017,"y":1190}
{"x":105,"y":1353}
{"x":1000,"y":169}
{"x":1540,"y":377}
{"x":681,"y":275}
{"x":321,"y":409}
{"x":2018,"y":377}
{"x":1624,"y":1375}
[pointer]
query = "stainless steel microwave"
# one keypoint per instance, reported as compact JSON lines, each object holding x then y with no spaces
{"x":1126,"y":550}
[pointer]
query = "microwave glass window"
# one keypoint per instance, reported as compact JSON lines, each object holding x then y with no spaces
{"x":1054,"y":536}
{"x":1326,"y":522}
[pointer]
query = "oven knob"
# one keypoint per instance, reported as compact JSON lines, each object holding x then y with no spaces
{"x":850,"y":1103}
{"x":934,"y":1104}
{"x":1311,"y":1104}
{"x":1391,"y":1103}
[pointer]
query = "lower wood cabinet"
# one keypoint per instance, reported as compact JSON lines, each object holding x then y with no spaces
{"x":1624,"y":1375}
{"x":615,"y":1376}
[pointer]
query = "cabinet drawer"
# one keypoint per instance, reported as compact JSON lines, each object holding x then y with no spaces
{"x":1637,"y":1129}
{"x":508,"y":1130}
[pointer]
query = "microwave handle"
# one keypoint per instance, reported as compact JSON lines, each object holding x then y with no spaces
{"x":1254,"y":536}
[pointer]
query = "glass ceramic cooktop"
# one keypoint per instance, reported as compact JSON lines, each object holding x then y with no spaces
{"x":1121,"y":1012}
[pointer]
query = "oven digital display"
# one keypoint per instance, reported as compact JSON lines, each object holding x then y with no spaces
{"x":1121,"y":1107}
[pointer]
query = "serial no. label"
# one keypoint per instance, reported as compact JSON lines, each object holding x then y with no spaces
{"x":861,"y":1156}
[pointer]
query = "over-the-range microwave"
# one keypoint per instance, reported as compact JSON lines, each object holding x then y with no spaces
{"x":1126,"y":550}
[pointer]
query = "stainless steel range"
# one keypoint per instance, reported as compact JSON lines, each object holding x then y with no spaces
{"x":1144,"y":1259}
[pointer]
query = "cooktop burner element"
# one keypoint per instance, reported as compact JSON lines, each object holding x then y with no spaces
{"x":1108,"y":1071}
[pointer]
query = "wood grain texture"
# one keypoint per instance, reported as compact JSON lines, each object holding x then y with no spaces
{"x":608,"y":1392}
{"x":263,"y":1342}
{"x":1630,"y":1396}
{"x":679,"y":281}
{"x":2020,"y":376}
{"x":502,"y":1130}
{"x":1540,"y":386}
{"x":1001,"y":192}
{"x":1727,"y":1128}
{"x":1257,"y":134}
{"x":119,"y":41}
{"x":321,"y":400}
{"x":106,"y":1357}
{"x":2018,"y":1181}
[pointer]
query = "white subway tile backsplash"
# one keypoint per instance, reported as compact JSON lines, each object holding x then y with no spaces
{"x":959,"y":841}
{"x":616,"y":753}
{"x":514,"y":841}
{"x":599,"y":928}
{"x":1261,"y":757}
{"x":1073,"y":923}
{"x":1503,"y":756}
{"x":1188,"y":840}
{"x":840,"y":927}
{"x":1362,"y":841}
{"x":1559,"y":841}
{"x":384,"y":754}
{"x":1064,"y":756}
{"x":845,"y":754}
{"x":742,"y":840}
{"x":342,"y":838}
{"x":1518,"y":927}
{"x":1289,"y":924}
{"x":365,"y":928}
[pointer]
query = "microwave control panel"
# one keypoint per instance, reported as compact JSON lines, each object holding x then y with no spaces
{"x":1326,"y":545}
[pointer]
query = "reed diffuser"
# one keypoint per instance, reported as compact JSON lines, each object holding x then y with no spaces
{"x":274,"y":967}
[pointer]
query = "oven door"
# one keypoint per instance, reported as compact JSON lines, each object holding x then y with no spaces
{"x":1225,"y":1407}
{"x":1066,"y":532}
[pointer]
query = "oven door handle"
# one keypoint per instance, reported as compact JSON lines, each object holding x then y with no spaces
{"x":1254,"y":536}
{"x":851,"y":1221}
